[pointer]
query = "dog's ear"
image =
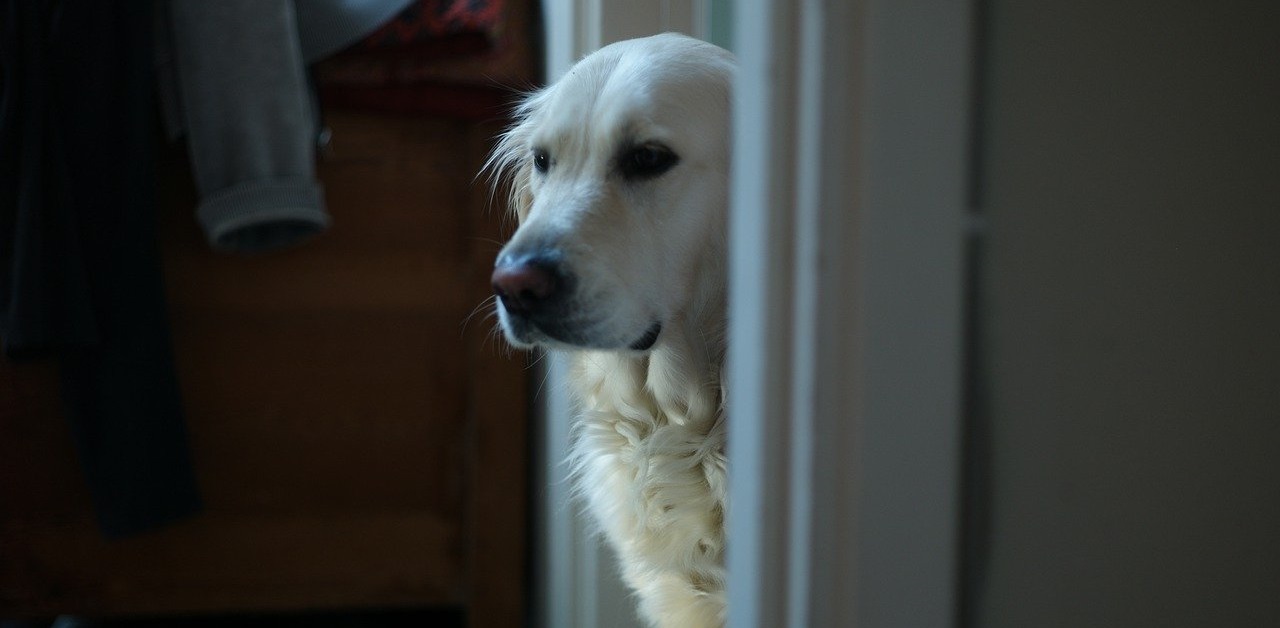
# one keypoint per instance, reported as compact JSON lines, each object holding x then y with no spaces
{"x":511,"y":162}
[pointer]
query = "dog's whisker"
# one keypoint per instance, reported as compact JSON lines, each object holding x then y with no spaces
{"x":493,"y":339}
{"x":487,"y":240}
{"x":546,"y":375}
{"x":488,"y":304}
{"x":535,"y":358}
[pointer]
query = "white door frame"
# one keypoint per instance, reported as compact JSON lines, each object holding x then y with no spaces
{"x":851,"y":160}
{"x":851,"y":164}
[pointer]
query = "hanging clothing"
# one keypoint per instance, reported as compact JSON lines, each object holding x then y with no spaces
{"x":234,"y":82}
{"x":80,"y":276}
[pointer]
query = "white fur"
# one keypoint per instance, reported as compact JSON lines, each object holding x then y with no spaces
{"x":648,"y":452}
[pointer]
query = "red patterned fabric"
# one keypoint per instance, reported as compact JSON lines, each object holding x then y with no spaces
{"x":425,"y":21}
{"x":456,"y":58}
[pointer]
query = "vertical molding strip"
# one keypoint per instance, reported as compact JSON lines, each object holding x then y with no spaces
{"x":761,"y":237}
{"x":851,"y":163}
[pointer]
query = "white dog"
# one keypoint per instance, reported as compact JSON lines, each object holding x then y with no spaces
{"x":619,"y":177}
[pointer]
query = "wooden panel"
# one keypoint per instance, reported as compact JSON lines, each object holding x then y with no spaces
{"x":377,"y":279}
{"x":356,"y":444}
{"x":497,"y":521}
{"x":39,"y":476}
{"x":334,"y":400}
{"x":221,"y":563}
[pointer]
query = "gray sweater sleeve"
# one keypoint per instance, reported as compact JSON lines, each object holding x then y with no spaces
{"x":245,"y":105}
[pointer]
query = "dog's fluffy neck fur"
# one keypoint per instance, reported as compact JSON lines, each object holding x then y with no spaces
{"x":649,"y":456}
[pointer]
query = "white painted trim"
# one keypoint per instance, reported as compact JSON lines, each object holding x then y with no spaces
{"x":851,"y":160}
{"x":760,"y":336}
{"x":575,"y":28}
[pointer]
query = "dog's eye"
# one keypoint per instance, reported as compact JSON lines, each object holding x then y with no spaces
{"x":541,"y":160}
{"x":647,"y":161}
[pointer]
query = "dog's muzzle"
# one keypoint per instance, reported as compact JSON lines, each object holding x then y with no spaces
{"x":537,"y":293}
{"x":531,"y":287}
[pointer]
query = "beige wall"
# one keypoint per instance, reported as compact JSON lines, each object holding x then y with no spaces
{"x":1129,"y":349}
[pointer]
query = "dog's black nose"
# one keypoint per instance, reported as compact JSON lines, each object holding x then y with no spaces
{"x":528,"y":285}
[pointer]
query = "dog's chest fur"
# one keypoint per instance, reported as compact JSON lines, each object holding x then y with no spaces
{"x":650,"y":464}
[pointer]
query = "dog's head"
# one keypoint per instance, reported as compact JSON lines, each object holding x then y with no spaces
{"x":619,"y":179}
